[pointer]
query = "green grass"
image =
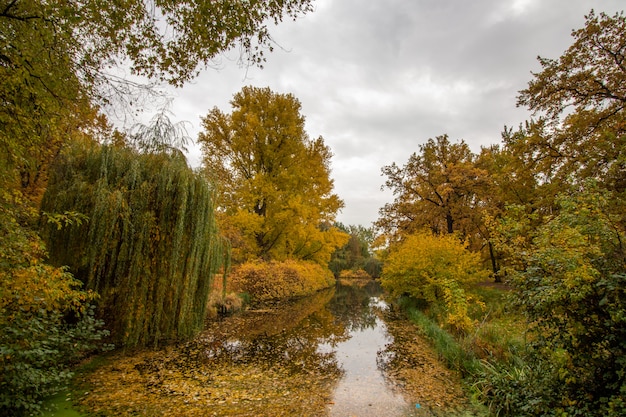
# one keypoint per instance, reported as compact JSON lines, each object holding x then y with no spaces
{"x":448,"y":348}
{"x":494,"y":346}
{"x":61,"y":405}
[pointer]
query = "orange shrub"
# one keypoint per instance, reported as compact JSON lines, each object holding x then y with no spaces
{"x":270,"y":281}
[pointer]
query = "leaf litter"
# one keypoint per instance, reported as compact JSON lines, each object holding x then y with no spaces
{"x":267,"y":363}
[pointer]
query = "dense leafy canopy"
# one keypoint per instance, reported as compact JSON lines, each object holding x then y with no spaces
{"x":437,"y":188}
{"x":570,"y":285}
{"x":59,"y":58}
{"x":150,"y":246}
{"x":276,"y":192}
{"x":59,"y":62}
{"x":434,"y":269}
{"x":37,"y":344}
{"x":549,"y":204}
{"x":563,"y":235}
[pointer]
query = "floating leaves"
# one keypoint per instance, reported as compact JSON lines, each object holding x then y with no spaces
{"x":412,"y":364}
{"x":270,"y":363}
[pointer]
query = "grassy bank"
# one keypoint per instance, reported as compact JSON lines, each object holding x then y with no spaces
{"x":493,"y":348}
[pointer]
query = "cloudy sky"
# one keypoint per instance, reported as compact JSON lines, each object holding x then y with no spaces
{"x":377,"y":78}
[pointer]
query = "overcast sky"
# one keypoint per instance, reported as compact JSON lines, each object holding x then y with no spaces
{"x":377,"y":78}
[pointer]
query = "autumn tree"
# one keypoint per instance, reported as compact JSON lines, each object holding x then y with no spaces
{"x":580,"y":100}
{"x":276,"y":199}
{"x":570,"y":287}
{"x":579,"y":127}
{"x":564,"y":237}
{"x":38,"y":345}
{"x":512,"y":182}
{"x":59,"y":63}
{"x":357,"y":252}
{"x":149,"y":246}
{"x":59,"y":58}
{"x":437,"y":188}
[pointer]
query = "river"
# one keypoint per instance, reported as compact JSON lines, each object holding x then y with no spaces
{"x":342,"y":352}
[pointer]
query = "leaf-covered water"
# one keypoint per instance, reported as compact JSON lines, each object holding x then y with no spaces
{"x":339,"y":353}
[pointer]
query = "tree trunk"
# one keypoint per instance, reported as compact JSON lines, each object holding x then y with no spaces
{"x":494,"y":263}
{"x":450,"y":223}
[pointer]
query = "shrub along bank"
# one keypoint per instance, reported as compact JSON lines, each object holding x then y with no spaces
{"x":271,"y":281}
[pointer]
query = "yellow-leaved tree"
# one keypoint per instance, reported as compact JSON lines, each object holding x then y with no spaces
{"x":435,"y":269}
{"x":276,"y":198}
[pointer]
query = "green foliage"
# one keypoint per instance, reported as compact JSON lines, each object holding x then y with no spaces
{"x":436,"y":269}
{"x":46,"y":322}
{"x":449,"y":349}
{"x":150,"y":247}
{"x":572,"y":291}
{"x":271,"y":281}
{"x":56,"y":59}
{"x":562,"y":233}
{"x":59,"y":220}
{"x":355,"y":254}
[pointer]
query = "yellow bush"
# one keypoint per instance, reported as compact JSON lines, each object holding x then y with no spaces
{"x":436,"y":269}
{"x":270,"y":281}
{"x":358,"y":274}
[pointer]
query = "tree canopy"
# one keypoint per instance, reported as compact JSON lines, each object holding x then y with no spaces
{"x":562,"y":229}
{"x":150,"y":245}
{"x":436,"y":188}
{"x":580,"y":99}
{"x":276,"y":198}
{"x":549,"y":202}
{"x":60,"y":58}
{"x":144,"y":235}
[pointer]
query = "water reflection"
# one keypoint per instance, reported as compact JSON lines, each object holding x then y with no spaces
{"x":286,"y":337}
{"x":339,"y":337}
{"x":336,"y":337}
{"x":332,"y":354}
{"x":362,"y":390}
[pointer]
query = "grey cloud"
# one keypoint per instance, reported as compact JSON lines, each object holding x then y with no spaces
{"x":378,"y":78}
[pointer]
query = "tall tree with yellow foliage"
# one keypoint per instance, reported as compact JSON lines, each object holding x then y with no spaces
{"x":276,"y":194}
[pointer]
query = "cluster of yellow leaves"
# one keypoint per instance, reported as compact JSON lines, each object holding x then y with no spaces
{"x":27,"y":284}
{"x":276,"y":196}
{"x":40,"y":287}
{"x":435,"y":269}
{"x":269,"y":281}
{"x":358,"y":274}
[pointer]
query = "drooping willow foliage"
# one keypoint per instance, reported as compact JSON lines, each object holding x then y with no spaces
{"x":150,"y":246}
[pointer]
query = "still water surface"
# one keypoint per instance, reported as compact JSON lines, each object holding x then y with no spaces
{"x":342,"y":352}
{"x":363,"y":389}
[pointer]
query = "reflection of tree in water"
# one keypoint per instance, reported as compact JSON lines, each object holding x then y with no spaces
{"x":258,"y":363}
{"x":286,"y":337}
{"x":352,"y":305}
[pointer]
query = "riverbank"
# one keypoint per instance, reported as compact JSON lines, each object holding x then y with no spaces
{"x":497,"y":341}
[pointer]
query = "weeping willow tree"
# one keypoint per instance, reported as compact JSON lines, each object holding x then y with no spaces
{"x":150,"y":246}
